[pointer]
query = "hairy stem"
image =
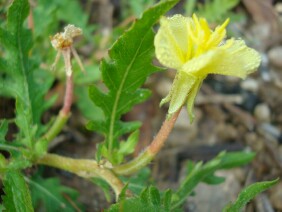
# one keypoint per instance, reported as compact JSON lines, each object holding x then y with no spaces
{"x":148,"y":155}
{"x":64,"y":114}
{"x":84,"y":168}
{"x":56,"y":127}
{"x":68,"y":96}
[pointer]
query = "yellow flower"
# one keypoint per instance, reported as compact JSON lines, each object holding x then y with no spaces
{"x":194,"y":50}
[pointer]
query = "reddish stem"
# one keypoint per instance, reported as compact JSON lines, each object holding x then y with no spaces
{"x":68,"y":96}
{"x":162,"y":135}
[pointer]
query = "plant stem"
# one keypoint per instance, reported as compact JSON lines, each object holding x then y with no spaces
{"x":84,"y":168}
{"x":64,"y":113}
{"x":56,"y":127}
{"x":147,"y":156}
{"x":68,"y":96}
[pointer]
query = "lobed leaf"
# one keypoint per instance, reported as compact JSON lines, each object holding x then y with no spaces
{"x":248,"y":194}
{"x":129,"y":65}
{"x":138,"y":181}
{"x":17,"y":74}
{"x":51,"y":194}
{"x":205,"y":173}
{"x":150,"y":200}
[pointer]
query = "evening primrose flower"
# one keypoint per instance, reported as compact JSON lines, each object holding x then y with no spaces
{"x":194,"y":50}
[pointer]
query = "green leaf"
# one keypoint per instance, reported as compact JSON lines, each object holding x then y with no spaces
{"x":190,"y":7}
{"x":122,"y":195}
{"x":213,"y":180}
{"x":18,"y":160}
{"x":3,"y":164}
{"x":137,"y":7}
{"x":48,"y":15}
{"x":3,"y":130}
{"x":83,"y":101}
{"x":217,"y":10}
{"x":129,"y":65}
{"x":150,"y":200}
{"x":153,"y":196}
{"x":248,"y":194}
{"x":127,"y":147}
{"x":138,"y":181}
{"x":205,"y":173}
{"x":104,"y":186}
{"x":51,"y":194}
{"x":167,"y":197}
{"x":18,"y":79}
{"x":17,"y":197}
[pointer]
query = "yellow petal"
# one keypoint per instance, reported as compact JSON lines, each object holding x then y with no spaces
{"x":234,"y":58}
{"x":171,"y":41}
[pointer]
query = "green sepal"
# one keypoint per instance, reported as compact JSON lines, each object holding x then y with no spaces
{"x":184,"y":89}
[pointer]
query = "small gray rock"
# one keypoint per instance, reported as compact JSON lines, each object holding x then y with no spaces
{"x":275,"y":56}
{"x":262,"y":112}
{"x":250,"y":85}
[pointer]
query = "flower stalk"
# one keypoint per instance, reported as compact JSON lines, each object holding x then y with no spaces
{"x":68,"y":97}
{"x":64,"y":113}
{"x":62,"y":42}
{"x":152,"y":150}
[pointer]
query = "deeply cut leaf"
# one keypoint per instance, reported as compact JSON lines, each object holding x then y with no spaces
{"x":17,"y":78}
{"x":150,"y":200}
{"x":249,"y":193}
{"x":129,"y":65}
{"x":51,"y":194}
{"x":205,"y":173}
